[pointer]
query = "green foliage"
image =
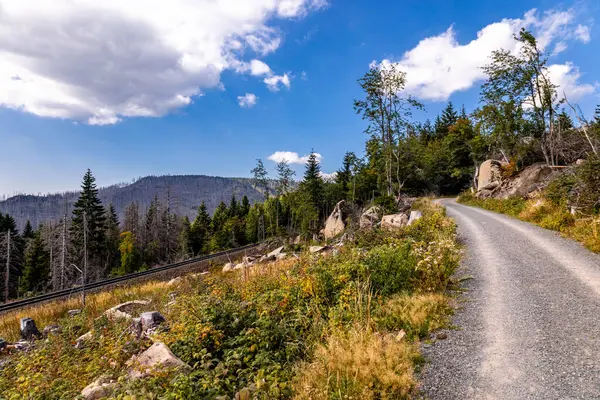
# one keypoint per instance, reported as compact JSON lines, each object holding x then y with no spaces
{"x":130,"y":256}
{"x":36,"y":270}
{"x":388,"y":203}
{"x":255,"y":333}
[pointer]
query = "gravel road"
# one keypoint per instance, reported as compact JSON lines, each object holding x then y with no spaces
{"x":528,"y":326}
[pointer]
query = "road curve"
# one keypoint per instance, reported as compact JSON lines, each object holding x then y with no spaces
{"x":529,"y":325}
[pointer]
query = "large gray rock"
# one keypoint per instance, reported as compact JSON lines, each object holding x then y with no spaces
{"x":81,"y":340}
{"x":531,"y":179}
{"x":414,"y":216}
{"x":275,"y":252}
{"x":123,"y":311}
{"x":100,"y":388}
{"x":489,"y":172}
{"x":29,"y":330}
{"x":371,"y":217}
{"x":335,"y":224}
{"x":394,"y":221}
{"x":151,"y":320}
{"x":157,"y":358}
{"x":228,"y":267}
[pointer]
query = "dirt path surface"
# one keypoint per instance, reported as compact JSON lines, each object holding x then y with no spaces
{"x":529,"y":325}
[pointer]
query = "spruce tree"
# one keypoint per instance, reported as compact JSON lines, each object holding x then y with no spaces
{"x":233,"y":207}
{"x":89,"y":208}
{"x":28,"y":232}
{"x":245,"y":207}
{"x":36,"y":271}
{"x":313,"y":184}
{"x":200,"y":230}
{"x":446,"y":120}
{"x":185,"y":240}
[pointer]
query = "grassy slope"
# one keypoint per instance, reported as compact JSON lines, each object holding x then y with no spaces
{"x":546,"y":214}
{"x":343,"y":326}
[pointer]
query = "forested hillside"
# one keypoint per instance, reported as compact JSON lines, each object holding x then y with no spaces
{"x":186,"y":193}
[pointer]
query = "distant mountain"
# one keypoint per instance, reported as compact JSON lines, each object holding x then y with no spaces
{"x":186,"y":193}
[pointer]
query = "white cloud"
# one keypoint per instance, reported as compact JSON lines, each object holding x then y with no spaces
{"x":329,"y":177}
{"x":304,"y":76}
{"x":249,"y":100}
{"x":439,"y":66}
{"x":292,"y":157}
{"x":259,"y":68}
{"x":273,"y":82}
{"x":566,"y":77}
{"x":583,"y":33}
{"x":103,"y":61}
{"x":559,"y":48}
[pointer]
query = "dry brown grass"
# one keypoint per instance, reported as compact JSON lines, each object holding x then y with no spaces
{"x":359,"y":365}
{"x":96,"y":304}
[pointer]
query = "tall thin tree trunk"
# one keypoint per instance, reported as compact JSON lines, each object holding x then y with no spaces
{"x":7,"y":273}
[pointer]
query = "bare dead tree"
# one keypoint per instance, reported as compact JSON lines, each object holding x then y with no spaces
{"x":583,"y":122}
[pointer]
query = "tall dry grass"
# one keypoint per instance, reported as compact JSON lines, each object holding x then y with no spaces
{"x":96,"y":303}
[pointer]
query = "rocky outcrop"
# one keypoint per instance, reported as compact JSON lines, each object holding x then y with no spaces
{"x":157,"y":358}
{"x":414,"y":217}
{"x":394,"y":221}
{"x":489,"y":172}
{"x":335,"y":224}
{"x":530,"y":180}
{"x":99,"y":389}
{"x":371,"y":217}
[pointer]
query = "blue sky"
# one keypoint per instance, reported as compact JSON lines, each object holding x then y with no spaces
{"x":75,"y":78}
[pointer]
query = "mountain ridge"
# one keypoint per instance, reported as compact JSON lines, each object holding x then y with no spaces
{"x":186,"y":192}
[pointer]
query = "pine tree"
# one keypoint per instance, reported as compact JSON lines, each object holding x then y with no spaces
{"x":200,"y":230}
{"x":233,"y":209}
{"x":36,"y":271}
{"x":185,"y":240}
{"x":28,"y":232}
{"x":89,"y":208}
{"x":313,"y":184}
{"x":445,"y":121}
{"x":245,"y":207}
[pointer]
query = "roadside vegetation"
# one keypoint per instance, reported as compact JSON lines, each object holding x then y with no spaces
{"x":570,"y":204}
{"x":341,"y":326}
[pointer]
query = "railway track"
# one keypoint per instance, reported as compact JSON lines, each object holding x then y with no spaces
{"x":91,"y":287}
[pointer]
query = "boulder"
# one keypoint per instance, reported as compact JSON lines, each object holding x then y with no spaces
{"x":414,"y":216}
{"x":298,"y":240}
{"x":51,"y":330}
{"x":404,"y":202}
{"x":80,"y":341}
{"x":275,"y":252}
{"x":239,"y":266}
{"x":228,"y":267}
{"x":73,"y":313}
{"x":394,"y":221}
{"x":29,"y":330}
{"x":335,"y":223}
{"x":158,"y":357}
{"x":489,"y":172}
{"x":529,"y":180}
{"x":151,"y":320}
{"x":175,"y":281}
{"x":123,"y":311}
{"x":100,"y":388}
{"x":371,"y":217}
